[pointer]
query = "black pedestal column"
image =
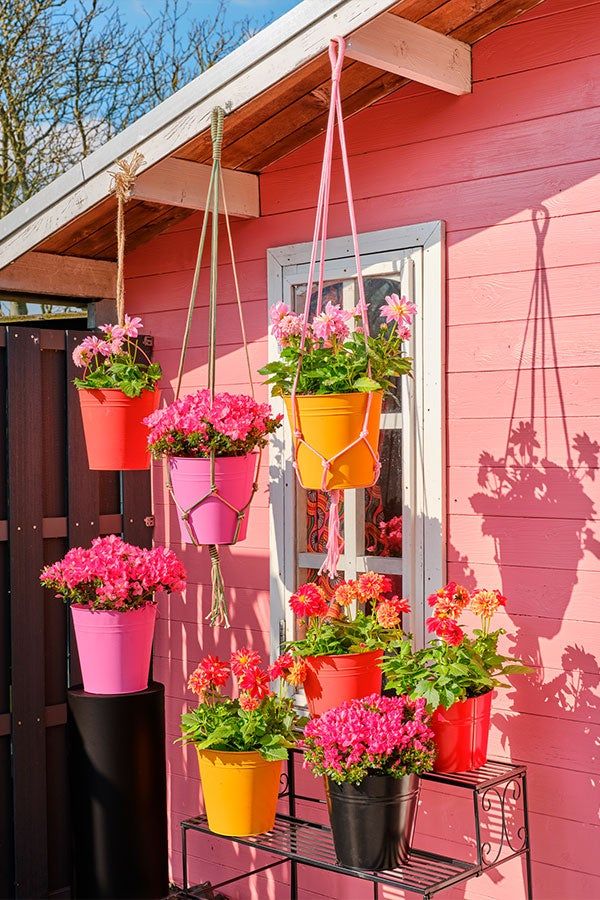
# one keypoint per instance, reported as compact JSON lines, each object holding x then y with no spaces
{"x":118,"y":794}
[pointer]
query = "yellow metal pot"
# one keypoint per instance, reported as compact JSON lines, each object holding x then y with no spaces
{"x":240,"y":791}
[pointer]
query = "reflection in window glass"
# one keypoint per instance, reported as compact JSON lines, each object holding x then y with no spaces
{"x":333,"y":292}
{"x":317,"y":520}
{"x":13,"y":308}
{"x":383,"y":502}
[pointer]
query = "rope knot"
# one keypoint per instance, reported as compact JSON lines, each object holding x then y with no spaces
{"x":216,"y":131}
{"x":364,"y":434}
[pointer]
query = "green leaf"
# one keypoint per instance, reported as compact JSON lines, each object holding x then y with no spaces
{"x":366,"y":384}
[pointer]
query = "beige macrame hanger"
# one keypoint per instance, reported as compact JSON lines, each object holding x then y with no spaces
{"x":218,"y":614}
{"x":123,"y":182}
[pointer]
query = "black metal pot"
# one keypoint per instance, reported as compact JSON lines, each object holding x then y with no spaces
{"x":373,"y":822}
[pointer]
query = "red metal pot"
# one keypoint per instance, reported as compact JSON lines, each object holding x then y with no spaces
{"x":461,"y":734}
{"x":115,"y":435}
{"x":330,"y":680}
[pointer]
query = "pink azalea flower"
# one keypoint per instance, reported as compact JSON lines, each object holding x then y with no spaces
{"x":112,"y":574}
{"x":375,"y":734}
{"x":197,"y":424}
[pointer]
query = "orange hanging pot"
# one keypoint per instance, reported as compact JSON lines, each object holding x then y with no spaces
{"x":330,"y":424}
{"x":113,"y":425}
{"x":240,"y":791}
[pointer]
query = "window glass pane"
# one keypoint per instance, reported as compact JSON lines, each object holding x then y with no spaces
{"x":383,"y":502}
{"x":317,"y":520}
{"x":377,"y":288}
{"x":333,"y":292}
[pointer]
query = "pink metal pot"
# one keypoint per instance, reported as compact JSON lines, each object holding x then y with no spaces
{"x":213,"y":521}
{"x":114,"y":648}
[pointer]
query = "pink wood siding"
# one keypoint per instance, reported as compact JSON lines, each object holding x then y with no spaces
{"x":527,"y":139}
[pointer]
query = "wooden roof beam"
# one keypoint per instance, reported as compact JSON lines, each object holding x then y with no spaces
{"x":181,"y":182}
{"x":60,"y":276}
{"x":412,"y":51}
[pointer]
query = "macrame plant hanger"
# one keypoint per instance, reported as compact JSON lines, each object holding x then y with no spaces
{"x":337,"y":47}
{"x":123,"y":182}
{"x":218,"y":614}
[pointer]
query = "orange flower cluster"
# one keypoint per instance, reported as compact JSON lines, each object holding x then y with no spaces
{"x":450,"y":601}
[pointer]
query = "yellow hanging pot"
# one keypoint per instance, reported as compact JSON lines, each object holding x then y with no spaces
{"x":240,"y":791}
{"x":330,"y":424}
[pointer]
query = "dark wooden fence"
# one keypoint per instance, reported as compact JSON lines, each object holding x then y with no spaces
{"x":49,"y":501}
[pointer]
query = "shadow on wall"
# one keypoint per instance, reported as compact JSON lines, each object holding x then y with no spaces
{"x":540,"y":517}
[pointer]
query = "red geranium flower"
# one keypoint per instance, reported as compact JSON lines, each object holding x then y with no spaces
{"x":308,"y":601}
{"x":256,"y":682}
{"x":446,"y":629}
{"x":281,"y":666}
{"x":243,"y":659}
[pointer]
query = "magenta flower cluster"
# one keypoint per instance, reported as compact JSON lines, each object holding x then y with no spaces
{"x":196,"y":425}
{"x":373,"y":736}
{"x":112,"y":574}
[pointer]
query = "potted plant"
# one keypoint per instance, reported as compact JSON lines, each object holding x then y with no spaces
{"x":371,"y":752}
{"x":343,"y":652}
{"x":116,"y":392}
{"x":240,"y":741}
{"x":111,"y":588}
{"x":210,"y":444}
{"x":456,"y":675}
{"x":337,"y":379}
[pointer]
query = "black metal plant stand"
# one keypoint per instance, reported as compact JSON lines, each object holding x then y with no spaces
{"x":501,"y":832}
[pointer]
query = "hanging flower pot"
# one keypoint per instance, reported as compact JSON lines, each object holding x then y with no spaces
{"x":114,"y":648}
{"x":111,"y":587}
{"x":116,"y":393}
{"x":207,"y":517}
{"x":331,"y":680}
{"x":371,"y":752}
{"x":373,"y":822}
{"x":113,"y":425}
{"x":331,"y":427}
{"x":461,"y":734}
{"x":240,"y":742}
{"x":231,"y":428}
{"x":240,"y":791}
{"x":341,"y":654}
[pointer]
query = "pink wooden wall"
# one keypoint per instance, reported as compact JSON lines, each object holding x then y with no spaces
{"x":514,"y":170}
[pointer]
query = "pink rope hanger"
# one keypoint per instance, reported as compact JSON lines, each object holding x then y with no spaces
{"x":337,"y":47}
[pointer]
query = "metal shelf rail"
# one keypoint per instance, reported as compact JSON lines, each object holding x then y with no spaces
{"x":501,"y":833}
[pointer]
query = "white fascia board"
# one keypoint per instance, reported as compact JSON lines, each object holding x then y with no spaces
{"x":262,"y":61}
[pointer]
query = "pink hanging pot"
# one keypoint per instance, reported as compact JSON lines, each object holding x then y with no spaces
{"x":219,"y":517}
{"x":114,"y":648}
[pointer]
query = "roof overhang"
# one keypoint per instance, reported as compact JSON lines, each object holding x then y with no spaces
{"x":254,"y":67}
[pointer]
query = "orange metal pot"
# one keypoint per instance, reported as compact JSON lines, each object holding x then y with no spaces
{"x":240,"y":791}
{"x":329,"y":424}
{"x":115,"y":434}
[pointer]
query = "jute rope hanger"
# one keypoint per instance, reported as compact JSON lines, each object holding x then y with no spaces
{"x":218,"y":614}
{"x":337,"y":47}
{"x":123,"y":182}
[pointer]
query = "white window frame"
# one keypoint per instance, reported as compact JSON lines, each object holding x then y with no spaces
{"x":424,"y":428}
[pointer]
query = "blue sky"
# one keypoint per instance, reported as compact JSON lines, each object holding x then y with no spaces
{"x":258,"y":9}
